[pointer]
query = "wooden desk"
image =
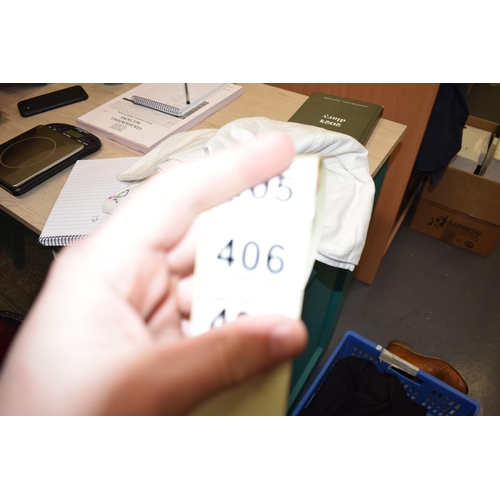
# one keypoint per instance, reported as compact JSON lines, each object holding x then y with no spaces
{"x":328,"y":286}
{"x":33,"y":208}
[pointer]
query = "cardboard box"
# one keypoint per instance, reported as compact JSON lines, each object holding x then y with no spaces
{"x":492,"y":127}
{"x":462,"y":209}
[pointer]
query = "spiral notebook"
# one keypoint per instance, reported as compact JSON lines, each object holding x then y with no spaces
{"x":176,"y":99}
{"x":77,"y":212}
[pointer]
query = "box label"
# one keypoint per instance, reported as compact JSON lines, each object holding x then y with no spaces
{"x":455,"y":228}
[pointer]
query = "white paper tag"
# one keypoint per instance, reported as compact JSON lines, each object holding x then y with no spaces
{"x":254,"y":255}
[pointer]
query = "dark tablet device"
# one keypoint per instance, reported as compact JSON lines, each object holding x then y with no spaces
{"x":52,"y":100}
{"x":43,"y":151}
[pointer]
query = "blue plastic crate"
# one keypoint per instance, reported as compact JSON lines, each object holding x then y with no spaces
{"x":439,"y":398}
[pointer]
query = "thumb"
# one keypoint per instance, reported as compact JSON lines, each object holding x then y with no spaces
{"x":172,"y":379}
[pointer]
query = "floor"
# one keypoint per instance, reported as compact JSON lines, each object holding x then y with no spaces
{"x":440,"y":299}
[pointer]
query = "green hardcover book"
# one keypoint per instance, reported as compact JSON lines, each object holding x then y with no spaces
{"x":347,"y":116}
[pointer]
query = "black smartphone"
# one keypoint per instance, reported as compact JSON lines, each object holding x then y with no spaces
{"x":52,"y":100}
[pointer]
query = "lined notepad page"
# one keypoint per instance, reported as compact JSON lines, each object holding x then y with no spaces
{"x":78,"y":209}
{"x":173,"y":95}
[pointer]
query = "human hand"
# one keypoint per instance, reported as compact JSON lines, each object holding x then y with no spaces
{"x":105,"y":334}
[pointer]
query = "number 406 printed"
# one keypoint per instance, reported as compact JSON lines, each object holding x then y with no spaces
{"x":250,"y":256}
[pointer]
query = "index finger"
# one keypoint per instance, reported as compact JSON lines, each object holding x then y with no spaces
{"x":164,"y":208}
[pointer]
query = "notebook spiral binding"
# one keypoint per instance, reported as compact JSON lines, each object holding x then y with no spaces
{"x":61,"y":241}
{"x":158,"y":106}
